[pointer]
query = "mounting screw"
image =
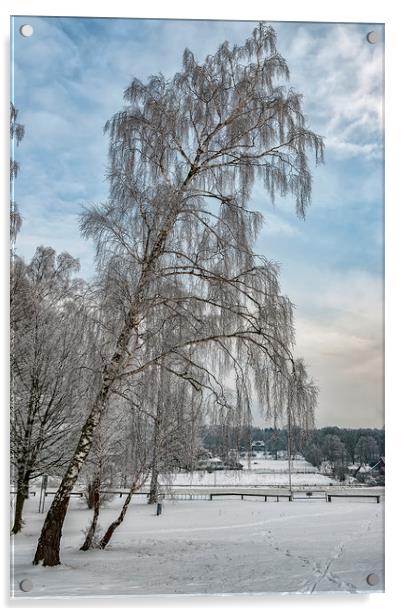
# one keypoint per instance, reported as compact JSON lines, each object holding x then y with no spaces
{"x":26,"y":585}
{"x":373,"y":579}
{"x":26,"y":30}
{"x":372,"y":37}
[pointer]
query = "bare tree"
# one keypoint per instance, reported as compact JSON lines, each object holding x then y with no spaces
{"x":48,"y":327}
{"x":108,"y":443}
{"x":334,"y":450}
{"x":177,"y":234}
{"x":139,"y":469}
{"x":313,"y":454}
{"x":161,"y":416}
{"x":176,"y":414}
{"x":366,"y":449}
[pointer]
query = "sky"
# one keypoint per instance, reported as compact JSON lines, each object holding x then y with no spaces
{"x":68,"y":80}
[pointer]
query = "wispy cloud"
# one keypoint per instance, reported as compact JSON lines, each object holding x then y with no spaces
{"x":341,"y":75}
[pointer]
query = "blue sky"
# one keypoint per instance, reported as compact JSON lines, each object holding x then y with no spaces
{"x":68,"y":79}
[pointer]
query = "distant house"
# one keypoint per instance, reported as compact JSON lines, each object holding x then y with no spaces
{"x":365,"y":469}
{"x":210,"y":464}
{"x":357,"y":469}
{"x":202,"y":465}
{"x":258,"y":446}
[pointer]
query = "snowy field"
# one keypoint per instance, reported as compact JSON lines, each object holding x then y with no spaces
{"x":260,"y":463}
{"x":249,"y":478}
{"x":262,"y":472}
{"x":220,"y":546}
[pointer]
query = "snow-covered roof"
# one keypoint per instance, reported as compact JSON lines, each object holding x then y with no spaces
{"x":365,"y":468}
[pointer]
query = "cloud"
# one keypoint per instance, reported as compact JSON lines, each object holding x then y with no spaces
{"x":341,"y":76}
{"x":340,"y":333}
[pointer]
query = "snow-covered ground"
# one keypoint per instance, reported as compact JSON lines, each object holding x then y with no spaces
{"x":249,"y":478}
{"x":222,"y":546}
{"x":261,"y":471}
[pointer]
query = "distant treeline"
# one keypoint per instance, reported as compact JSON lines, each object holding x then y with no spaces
{"x":339,"y":446}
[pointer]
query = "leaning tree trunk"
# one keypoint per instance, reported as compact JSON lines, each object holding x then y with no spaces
{"x":109,"y":532}
{"x":48,"y":549}
{"x":22,"y":493}
{"x":88,"y":543}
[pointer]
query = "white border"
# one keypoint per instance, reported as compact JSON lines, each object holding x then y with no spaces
{"x":292,"y":10}
{"x":307,"y":10}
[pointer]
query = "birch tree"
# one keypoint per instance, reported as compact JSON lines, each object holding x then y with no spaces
{"x":139,"y":470}
{"x":162,"y":413}
{"x":108,"y":445}
{"x":177,"y":231}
